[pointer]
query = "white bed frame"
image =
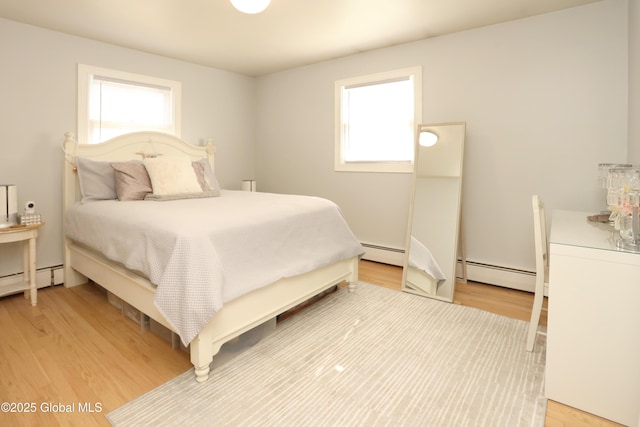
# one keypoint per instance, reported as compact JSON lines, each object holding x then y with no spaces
{"x":237,"y":316}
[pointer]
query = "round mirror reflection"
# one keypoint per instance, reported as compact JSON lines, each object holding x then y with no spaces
{"x":427,"y":138}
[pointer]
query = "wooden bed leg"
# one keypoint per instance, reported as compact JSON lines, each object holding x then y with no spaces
{"x":202,"y":373}
{"x":201,"y":351}
{"x":352,"y":286}
{"x":71,"y":277}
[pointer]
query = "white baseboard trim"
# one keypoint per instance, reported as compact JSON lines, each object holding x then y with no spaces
{"x":499,"y":276}
{"x":383,"y":254}
{"x":476,"y":272}
{"x":47,"y":276}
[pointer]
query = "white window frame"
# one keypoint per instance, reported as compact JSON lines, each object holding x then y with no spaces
{"x":85,"y":76}
{"x":413,"y":73}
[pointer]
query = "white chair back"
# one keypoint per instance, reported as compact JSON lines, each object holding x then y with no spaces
{"x":540,"y":237}
{"x":542,"y":269}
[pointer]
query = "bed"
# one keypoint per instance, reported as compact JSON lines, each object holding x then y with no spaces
{"x":208,"y":265}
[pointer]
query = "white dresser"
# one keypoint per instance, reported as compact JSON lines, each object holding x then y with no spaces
{"x":593,"y":341}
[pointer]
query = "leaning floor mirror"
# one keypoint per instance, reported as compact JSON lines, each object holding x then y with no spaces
{"x":434,"y":212}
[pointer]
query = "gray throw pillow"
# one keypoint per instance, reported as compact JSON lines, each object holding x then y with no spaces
{"x":97,"y":180}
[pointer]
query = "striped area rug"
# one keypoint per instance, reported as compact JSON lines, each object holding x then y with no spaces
{"x":376,"y":357}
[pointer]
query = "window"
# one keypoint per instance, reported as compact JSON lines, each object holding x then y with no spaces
{"x":376,"y":116}
{"x":112,"y":103}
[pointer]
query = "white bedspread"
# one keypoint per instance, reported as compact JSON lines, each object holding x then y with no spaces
{"x":201,"y":253}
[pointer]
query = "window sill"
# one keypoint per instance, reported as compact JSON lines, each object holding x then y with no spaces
{"x":384,"y":167}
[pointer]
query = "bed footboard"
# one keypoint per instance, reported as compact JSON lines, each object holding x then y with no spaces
{"x":257,"y":307}
{"x":234,"y":319}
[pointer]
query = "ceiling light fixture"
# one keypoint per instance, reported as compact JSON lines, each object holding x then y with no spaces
{"x":250,"y":6}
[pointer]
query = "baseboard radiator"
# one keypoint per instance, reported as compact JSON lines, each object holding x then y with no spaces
{"x":383,"y":254}
{"x":476,"y":272}
{"x":500,"y":276}
{"x":45,"y":276}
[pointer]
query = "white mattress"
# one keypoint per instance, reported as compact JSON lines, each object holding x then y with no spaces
{"x":201,"y":253}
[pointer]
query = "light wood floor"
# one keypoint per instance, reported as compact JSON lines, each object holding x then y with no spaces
{"x":74,"y":352}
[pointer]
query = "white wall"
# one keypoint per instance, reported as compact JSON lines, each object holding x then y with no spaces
{"x":544,"y":99}
{"x":634,"y":82}
{"x":39,"y":90}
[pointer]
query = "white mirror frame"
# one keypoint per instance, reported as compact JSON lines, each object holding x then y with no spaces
{"x":433,"y":228}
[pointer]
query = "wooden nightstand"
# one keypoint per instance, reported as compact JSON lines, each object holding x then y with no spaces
{"x":27,"y":234}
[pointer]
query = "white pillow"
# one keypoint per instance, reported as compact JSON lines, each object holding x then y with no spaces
{"x":172,"y":175}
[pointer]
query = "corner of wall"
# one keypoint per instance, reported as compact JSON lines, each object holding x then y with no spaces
{"x":633,"y":134}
